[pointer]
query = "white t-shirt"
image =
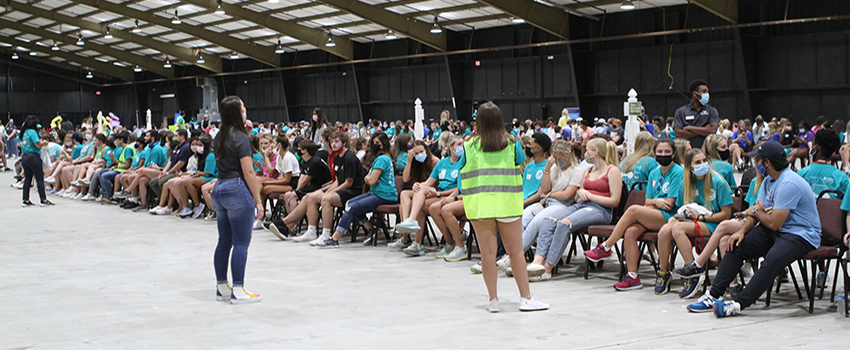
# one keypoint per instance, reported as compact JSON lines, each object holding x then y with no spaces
{"x":565,"y":178}
{"x":192,"y":165}
{"x":213,"y":132}
{"x":289,"y":164}
{"x":360,"y":154}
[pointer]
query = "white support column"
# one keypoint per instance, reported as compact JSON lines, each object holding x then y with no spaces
{"x":631,"y":109}
{"x":419,"y":116}
{"x":148,"y":120}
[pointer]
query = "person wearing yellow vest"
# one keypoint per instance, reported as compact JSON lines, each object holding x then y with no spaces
{"x":492,"y":191}
{"x":125,"y":160}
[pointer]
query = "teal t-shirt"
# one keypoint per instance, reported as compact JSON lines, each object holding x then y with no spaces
{"x":385,"y":187}
{"x":401,"y":160}
{"x":531,"y":178}
{"x":665,"y":186}
{"x":88,"y":149}
{"x":390,"y":132}
{"x":158,"y":155}
{"x":721,"y":196}
{"x":435,"y":134}
{"x":107,"y":159}
{"x":144,"y":154}
{"x":447,"y":174}
{"x":76,"y":152}
{"x":210,"y":168}
{"x":751,"y":193}
{"x":257,"y":157}
{"x":136,"y":158}
{"x":725,"y":171}
{"x":28,"y":142}
{"x":640,"y":171}
{"x":824,"y":177}
{"x":54,"y":150}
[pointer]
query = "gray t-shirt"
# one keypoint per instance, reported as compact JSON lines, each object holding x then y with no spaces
{"x":238,"y":147}
{"x":687,"y":115}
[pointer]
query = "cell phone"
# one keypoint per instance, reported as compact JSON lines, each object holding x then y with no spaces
{"x":683,"y":219}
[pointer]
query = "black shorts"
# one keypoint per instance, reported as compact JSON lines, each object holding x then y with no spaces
{"x":305,"y":191}
{"x":346,"y":194}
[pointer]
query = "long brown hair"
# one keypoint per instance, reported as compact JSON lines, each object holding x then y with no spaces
{"x":420,"y":172}
{"x":491,"y":128}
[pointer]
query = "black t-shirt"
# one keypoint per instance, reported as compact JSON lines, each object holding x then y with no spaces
{"x":788,"y":138}
{"x":318,"y":169}
{"x":238,"y":147}
{"x":346,"y":166}
{"x":618,"y":132}
{"x":322,"y":153}
{"x":181,"y":153}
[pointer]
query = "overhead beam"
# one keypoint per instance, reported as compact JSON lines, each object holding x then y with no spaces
{"x":587,"y":4}
{"x":54,"y":64}
{"x":344,"y":47}
{"x":147,"y":63}
{"x":181,"y":53}
{"x":552,"y":20}
{"x":726,"y":9}
{"x":105,"y":68}
{"x":402,"y":24}
{"x":257,"y":52}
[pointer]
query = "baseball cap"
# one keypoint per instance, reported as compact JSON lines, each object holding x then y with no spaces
{"x":769,"y":150}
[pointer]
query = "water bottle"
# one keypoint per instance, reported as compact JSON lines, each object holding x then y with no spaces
{"x":839,"y":298}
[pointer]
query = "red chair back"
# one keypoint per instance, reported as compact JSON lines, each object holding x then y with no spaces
{"x":831,"y":220}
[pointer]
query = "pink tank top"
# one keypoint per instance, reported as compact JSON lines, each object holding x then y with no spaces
{"x":599,"y":186}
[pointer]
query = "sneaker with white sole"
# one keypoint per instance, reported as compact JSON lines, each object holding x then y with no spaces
{"x":78,"y":196}
{"x":258,"y":225}
{"x":541,"y":278}
{"x":50,"y":180}
{"x":726,"y":308}
{"x":154,"y":209}
{"x":408,"y":226}
{"x":494,"y":306}
{"x":212,"y":216}
{"x":186,"y":212}
{"x":704,"y":304}
{"x":504,"y":263}
{"x":328,"y":244}
{"x":320,"y":239}
{"x":535,"y":270}
{"x":306,"y":237}
{"x":415,"y":249}
{"x":241,"y":296}
{"x":457,"y":254}
{"x":445,"y":251}
{"x":164,"y":211}
{"x":196,"y":213}
{"x":222,"y":291}
{"x":398,"y":245}
{"x":532,"y":305}
{"x":476,"y":269}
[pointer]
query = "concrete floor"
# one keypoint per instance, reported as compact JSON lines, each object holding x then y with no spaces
{"x":83,"y":275}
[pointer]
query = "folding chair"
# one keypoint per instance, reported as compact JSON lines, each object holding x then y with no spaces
{"x":580,"y":234}
{"x":635,"y":197}
{"x":381,"y":215}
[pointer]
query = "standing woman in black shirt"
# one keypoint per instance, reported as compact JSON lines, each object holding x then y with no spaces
{"x":236,"y":196}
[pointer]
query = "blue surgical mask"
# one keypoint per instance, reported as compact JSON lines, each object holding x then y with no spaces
{"x":420,"y":157}
{"x":702,"y":169}
{"x":762,"y":170}
{"x":704,"y":99}
{"x":459,"y":152}
{"x":88,"y":137}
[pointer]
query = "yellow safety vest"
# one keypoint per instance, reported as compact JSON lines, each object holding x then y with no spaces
{"x":492,"y":182}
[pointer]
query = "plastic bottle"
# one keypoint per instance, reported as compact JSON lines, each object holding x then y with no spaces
{"x":839,"y":298}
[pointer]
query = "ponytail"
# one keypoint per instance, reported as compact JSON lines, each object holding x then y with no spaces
{"x":612,"y":157}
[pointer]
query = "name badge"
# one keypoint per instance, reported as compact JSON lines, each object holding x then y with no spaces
{"x":704,"y":113}
{"x":689,"y":117}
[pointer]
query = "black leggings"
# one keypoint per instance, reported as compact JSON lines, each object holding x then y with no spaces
{"x":778,"y":249}
{"x":33,"y":168}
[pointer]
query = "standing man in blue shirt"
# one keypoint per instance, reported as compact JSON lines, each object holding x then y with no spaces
{"x":789,"y":227}
{"x":696,"y":120}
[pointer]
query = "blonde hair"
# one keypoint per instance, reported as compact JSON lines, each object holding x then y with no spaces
{"x":562,"y":148}
{"x":446,"y":140}
{"x":682,"y":147}
{"x":724,"y":124}
{"x":605,"y":149}
{"x":644,"y":145}
{"x":565,"y":112}
{"x":688,"y":184}
{"x":774,"y":128}
{"x":709,"y":147}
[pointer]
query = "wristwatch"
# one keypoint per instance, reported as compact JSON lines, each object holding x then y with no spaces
{"x":438,"y":194}
{"x":755,"y":210}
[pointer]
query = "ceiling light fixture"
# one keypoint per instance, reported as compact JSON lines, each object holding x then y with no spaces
{"x":167,"y":63}
{"x":391,"y":35}
{"x":279,"y":50}
{"x":234,"y":56}
{"x":219,"y":10}
{"x":55,"y":47}
{"x":89,"y":75}
{"x":33,"y":53}
{"x":436,"y":28}
{"x":108,"y":35}
{"x":136,"y":28}
{"x":80,"y":41}
{"x":200,"y":58}
{"x":15,"y":55}
{"x":137,"y":69}
{"x":330,"y":42}
{"x":176,"y":19}
{"x":627,"y":5}
{"x":517,"y":20}
{"x":274,"y":1}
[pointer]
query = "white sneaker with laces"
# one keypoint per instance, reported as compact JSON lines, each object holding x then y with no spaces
{"x":164,"y":211}
{"x":258,"y":225}
{"x":398,"y":245}
{"x":504,"y":263}
{"x":50,"y":180}
{"x":306,"y":237}
{"x":86,"y":198}
{"x":494,"y":306}
{"x":154,"y":209}
{"x":78,"y":196}
{"x":535,"y":270}
{"x":532,"y":305}
{"x":321,"y":239}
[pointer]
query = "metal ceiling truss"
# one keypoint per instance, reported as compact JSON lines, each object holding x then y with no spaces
{"x":552,"y":20}
{"x":172,"y":51}
{"x":726,"y":9}
{"x":105,"y":68}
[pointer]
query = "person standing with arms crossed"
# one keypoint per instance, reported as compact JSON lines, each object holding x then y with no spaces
{"x":492,"y":188}
{"x":232,"y":195}
{"x":696,"y":120}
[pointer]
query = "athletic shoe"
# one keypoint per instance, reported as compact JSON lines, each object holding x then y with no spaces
{"x":140,"y":208}
{"x":690,"y":270}
{"x":98,"y":199}
{"x":19,"y":185}
{"x":186,"y":212}
{"x":86,"y":182}
{"x":279,"y":229}
{"x":320,"y":239}
{"x":52,"y":191}
{"x":222,"y":290}
{"x":476,"y":269}
{"x":692,"y":286}
{"x":78,"y":196}
{"x":110,"y":201}
{"x":535,"y":270}
{"x":164,"y":211}
{"x":198,"y":211}
{"x":398,"y":245}
{"x":504,"y":263}
{"x":532,"y":305}
{"x":415,"y":249}
{"x":153,"y":211}
{"x":662,"y":282}
{"x":734,"y":290}
{"x":241,"y":296}
{"x":509,"y":272}
{"x":704,"y":304}
{"x":79,"y":183}
{"x":628,"y":283}
{"x":122,"y":195}
{"x":211,"y":216}
{"x":306,"y":237}
{"x":598,"y":253}
{"x":328,"y":243}
{"x":407,"y":226}
{"x":494,"y":306}
{"x":726,"y":308}
{"x":50,"y":180}
{"x":130,"y":205}
{"x":87,"y":197}
{"x":258,"y":225}
{"x":540,"y":278}
{"x":458,"y":254}
{"x":447,"y":249}
{"x":26,"y":204}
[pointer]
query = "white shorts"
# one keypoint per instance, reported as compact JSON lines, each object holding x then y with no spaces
{"x":508,"y":220}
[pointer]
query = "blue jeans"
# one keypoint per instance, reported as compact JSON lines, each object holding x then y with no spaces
{"x":234,"y":206}
{"x":106,"y":179}
{"x":357,"y":208}
{"x":540,"y":225}
{"x":582,"y":215}
{"x":94,"y":186}
{"x":33,"y":168}
{"x":12,"y":147}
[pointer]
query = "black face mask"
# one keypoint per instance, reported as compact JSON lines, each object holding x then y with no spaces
{"x":664,"y":160}
{"x":528,"y":152}
{"x":724,"y":155}
{"x":376,"y":147}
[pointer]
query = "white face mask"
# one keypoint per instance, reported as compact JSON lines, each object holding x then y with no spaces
{"x":244,"y":116}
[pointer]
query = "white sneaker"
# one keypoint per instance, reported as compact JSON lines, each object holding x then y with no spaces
{"x":154,"y":209}
{"x":494,"y":306}
{"x":447,"y":249}
{"x":532,"y":305}
{"x":398,"y":245}
{"x":541,"y":278}
{"x":306,"y":237}
{"x":504,"y":263}
{"x":78,"y":196}
{"x":186,"y":212}
{"x":407,"y":226}
{"x":535,"y":270}
{"x":164,"y":211}
{"x":476,"y":269}
{"x":86,"y":182}
{"x":458,"y":254}
{"x":239,"y":295}
{"x":18,"y":185}
{"x":321,"y":239}
{"x":258,"y":225}
{"x":87,"y":198}
{"x":50,"y":180}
